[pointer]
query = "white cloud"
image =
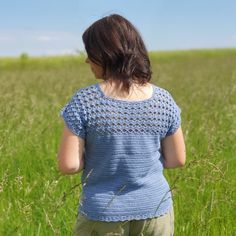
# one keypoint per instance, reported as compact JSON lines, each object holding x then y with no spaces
{"x":229,"y":41}
{"x":45,"y":38}
{"x":39,"y":42}
{"x":65,"y":51}
{"x":4,"y":38}
{"x":234,"y":38}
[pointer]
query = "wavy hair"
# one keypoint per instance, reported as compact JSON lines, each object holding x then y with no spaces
{"x":115,"y":44}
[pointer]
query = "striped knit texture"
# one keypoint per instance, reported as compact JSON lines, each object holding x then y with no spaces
{"x":123,"y":173}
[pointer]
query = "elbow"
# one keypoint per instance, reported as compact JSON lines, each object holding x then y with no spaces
{"x":174,"y":163}
{"x":68,"y":168}
{"x":181,"y":161}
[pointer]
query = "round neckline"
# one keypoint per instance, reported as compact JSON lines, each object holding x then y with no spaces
{"x":125,"y":101}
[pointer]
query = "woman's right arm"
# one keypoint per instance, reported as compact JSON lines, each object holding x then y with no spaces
{"x":173,"y":150}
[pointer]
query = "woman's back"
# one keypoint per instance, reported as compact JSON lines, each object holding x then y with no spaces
{"x":123,"y":172}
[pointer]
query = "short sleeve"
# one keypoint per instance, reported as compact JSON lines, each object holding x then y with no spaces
{"x":73,"y":115}
{"x":174,"y":117}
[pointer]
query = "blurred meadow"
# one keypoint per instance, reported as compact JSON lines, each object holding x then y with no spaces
{"x":37,"y":200}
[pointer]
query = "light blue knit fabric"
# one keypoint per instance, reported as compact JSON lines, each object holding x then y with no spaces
{"x":123,"y":174}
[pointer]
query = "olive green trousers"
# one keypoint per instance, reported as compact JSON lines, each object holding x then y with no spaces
{"x":158,"y":226}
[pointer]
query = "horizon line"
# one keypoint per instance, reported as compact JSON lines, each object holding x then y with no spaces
{"x":83,"y":53}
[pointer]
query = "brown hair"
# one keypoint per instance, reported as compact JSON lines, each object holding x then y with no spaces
{"x":115,"y":44}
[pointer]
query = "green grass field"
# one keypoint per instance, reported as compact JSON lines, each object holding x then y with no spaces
{"x":36,"y":200}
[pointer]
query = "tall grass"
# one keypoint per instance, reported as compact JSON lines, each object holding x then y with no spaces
{"x":37,"y":200}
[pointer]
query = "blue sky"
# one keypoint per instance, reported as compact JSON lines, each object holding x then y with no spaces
{"x":50,"y":27}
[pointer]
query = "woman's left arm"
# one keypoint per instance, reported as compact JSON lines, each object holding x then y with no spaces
{"x":71,"y":153}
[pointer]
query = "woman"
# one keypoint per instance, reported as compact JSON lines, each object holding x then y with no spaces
{"x":122,"y":133}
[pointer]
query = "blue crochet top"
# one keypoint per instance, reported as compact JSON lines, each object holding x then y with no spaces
{"x":123,"y":173}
